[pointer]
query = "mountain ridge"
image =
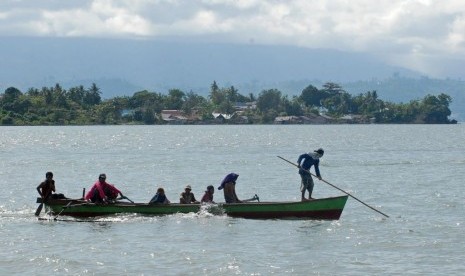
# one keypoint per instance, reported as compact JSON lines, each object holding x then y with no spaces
{"x":159,"y":64}
{"x":122,"y":67}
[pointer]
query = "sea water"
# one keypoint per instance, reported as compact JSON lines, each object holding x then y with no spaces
{"x":413,"y":173}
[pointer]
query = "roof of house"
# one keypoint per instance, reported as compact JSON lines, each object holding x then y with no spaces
{"x":172,"y":115}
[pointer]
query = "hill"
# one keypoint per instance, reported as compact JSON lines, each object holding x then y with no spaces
{"x":161,"y":65}
{"x":396,"y":89}
{"x":122,"y":67}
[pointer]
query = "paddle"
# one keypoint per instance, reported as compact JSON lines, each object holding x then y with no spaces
{"x":39,"y":209}
{"x":125,"y":197}
{"x":337,"y":188}
{"x":62,"y":209}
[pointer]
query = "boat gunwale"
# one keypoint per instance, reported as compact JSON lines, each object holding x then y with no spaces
{"x":82,"y":202}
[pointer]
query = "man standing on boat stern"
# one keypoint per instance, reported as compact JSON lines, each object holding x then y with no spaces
{"x":47,"y":187}
{"x":308,"y":160}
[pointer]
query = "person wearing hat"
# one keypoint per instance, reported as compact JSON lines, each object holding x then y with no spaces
{"x":208,"y":196}
{"x":102,"y":192}
{"x":305,"y":162}
{"x":187,"y":197}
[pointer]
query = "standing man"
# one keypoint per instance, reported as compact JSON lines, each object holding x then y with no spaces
{"x":308,"y":160}
{"x":47,"y":187}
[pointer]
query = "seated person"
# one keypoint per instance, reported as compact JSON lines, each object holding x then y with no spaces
{"x":208,"y":196}
{"x":159,"y":197}
{"x":187,"y":197}
{"x":102,"y":192}
{"x":228,"y":185}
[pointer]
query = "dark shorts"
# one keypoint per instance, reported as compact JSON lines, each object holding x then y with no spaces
{"x":307,"y":183}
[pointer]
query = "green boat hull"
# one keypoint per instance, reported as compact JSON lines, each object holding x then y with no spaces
{"x":322,"y":209}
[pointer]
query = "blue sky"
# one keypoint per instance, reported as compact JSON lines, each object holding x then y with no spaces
{"x":423,"y":35}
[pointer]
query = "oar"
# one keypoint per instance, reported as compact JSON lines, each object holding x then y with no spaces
{"x":41,"y":205}
{"x":125,"y":197}
{"x":39,"y":209}
{"x":336,"y":188}
{"x":62,"y":209}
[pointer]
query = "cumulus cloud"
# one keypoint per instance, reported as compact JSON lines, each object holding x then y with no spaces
{"x":412,"y":33}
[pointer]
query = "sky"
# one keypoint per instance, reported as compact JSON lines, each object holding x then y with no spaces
{"x":423,"y":35}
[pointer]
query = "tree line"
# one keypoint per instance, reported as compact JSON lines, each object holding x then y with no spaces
{"x":85,"y":106}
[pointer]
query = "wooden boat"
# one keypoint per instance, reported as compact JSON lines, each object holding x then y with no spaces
{"x":321,"y":209}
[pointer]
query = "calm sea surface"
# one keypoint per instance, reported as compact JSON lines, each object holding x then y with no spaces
{"x":413,"y":173}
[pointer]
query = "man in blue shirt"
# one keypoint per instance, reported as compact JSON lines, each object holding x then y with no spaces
{"x":308,"y":160}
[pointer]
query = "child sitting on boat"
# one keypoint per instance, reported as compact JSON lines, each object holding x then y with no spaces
{"x":208,"y":196}
{"x":159,"y":197}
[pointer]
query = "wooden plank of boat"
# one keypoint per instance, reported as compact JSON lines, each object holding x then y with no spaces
{"x":322,"y":209}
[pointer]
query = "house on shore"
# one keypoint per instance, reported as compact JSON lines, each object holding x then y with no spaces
{"x":173,"y":117}
{"x":308,"y":119}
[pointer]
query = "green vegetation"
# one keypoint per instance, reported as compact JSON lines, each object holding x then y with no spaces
{"x":84,"y":106}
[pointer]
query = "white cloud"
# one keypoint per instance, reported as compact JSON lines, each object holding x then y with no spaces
{"x":405,"y":32}
{"x":456,"y":36}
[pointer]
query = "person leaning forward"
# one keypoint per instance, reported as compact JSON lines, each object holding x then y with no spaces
{"x":308,"y":160}
{"x":102,"y":192}
{"x":228,"y":185}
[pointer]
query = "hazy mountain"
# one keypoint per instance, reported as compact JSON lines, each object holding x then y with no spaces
{"x":122,"y":67}
{"x":160,"y":65}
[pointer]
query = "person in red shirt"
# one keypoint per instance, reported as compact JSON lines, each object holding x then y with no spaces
{"x":102,"y":192}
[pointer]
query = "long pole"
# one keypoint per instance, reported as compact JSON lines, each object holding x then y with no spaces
{"x":62,"y":209}
{"x":337,"y":188}
{"x":125,"y":197}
